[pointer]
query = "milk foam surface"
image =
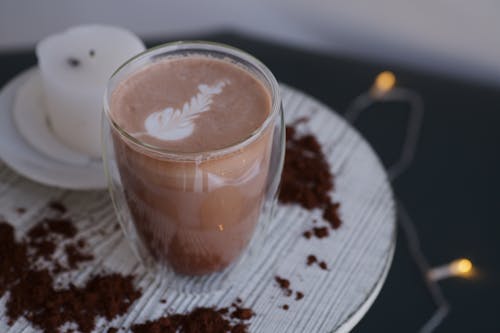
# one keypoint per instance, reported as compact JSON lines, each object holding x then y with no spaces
{"x":190,"y":104}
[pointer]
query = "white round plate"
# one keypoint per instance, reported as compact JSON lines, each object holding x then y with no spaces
{"x":28,"y":145}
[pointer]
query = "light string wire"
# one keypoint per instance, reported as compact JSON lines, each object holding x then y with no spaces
{"x":353,"y":112}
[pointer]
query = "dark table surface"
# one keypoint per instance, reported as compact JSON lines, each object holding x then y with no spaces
{"x":451,"y":190}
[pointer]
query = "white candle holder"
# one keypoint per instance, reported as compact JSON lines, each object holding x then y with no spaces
{"x":75,"y":66}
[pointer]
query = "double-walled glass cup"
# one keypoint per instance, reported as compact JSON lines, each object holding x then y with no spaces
{"x":197,"y":218}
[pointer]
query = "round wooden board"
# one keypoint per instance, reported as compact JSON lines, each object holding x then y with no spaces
{"x":358,"y":254}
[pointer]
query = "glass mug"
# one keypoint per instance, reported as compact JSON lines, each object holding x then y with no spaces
{"x":200,"y":234}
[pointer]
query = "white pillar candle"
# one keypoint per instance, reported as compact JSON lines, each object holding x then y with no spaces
{"x":75,"y":66}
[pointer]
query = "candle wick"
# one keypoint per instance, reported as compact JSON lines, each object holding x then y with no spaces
{"x":73,"y":62}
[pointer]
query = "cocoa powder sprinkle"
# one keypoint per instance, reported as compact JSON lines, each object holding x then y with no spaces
{"x":58,"y":206}
{"x":81,"y":243}
{"x":44,"y":237}
{"x":74,"y":256}
{"x":321,"y":232}
{"x":331,"y":215}
{"x":223,"y":311}
{"x":283,"y":283}
{"x":311,"y":259}
{"x":44,"y":248}
{"x":306,"y":179}
{"x":242,"y":313}
{"x":206,"y":320}
{"x":62,"y":226}
{"x":32,"y":293}
{"x":13,"y":257}
{"x":240,"y":328}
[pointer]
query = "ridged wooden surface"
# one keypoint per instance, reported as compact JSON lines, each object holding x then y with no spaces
{"x":358,"y":254}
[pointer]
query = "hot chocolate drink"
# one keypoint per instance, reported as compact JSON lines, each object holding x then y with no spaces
{"x":193,"y":148}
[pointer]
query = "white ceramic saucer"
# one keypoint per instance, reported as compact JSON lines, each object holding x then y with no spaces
{"x":28,"y":145}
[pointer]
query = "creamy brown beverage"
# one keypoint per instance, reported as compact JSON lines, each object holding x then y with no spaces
{"x":196,"y":205}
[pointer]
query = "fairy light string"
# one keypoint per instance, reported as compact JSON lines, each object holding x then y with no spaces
{"x":384,"y":90}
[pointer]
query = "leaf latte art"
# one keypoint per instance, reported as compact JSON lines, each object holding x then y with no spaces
{"x":175,"y":124}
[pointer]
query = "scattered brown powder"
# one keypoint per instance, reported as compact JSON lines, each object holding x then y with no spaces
{"x":58,"y":207}
{"x":283,"y":283}
{"x":35,"y":298}
{"x":331,"y":215}
{"x":32,"y":294}
{"x":167,"y":324}
{"x":242,"y":313}
{"x":311,"y":259}
{"x":44,"y":248}
{"x":109,"y":295}
{"x":318,"y":232}
{"x":75,"y":256}
{"x":323,"y":265}
{"x":223,"y":311}
{"x":81,"y":243}
{"x":51,"y":227}
{"x":20,"y":210}
{"x":13,"y":257}
{"x":39,"y":231}
{"x":45,"y":237}
{"x":285,"y":307}
{"x":240,"y":328}
{"x":306,"y":179}
{"x":61,"y":226}
{"x":321,"y":232}
{"x":206,"y":320}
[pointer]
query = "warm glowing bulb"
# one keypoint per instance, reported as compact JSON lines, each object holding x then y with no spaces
{"x":461,"y":266}
{"x":384,"y":82}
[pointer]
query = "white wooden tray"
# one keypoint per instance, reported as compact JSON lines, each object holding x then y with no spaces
{"x":358,"y":254}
